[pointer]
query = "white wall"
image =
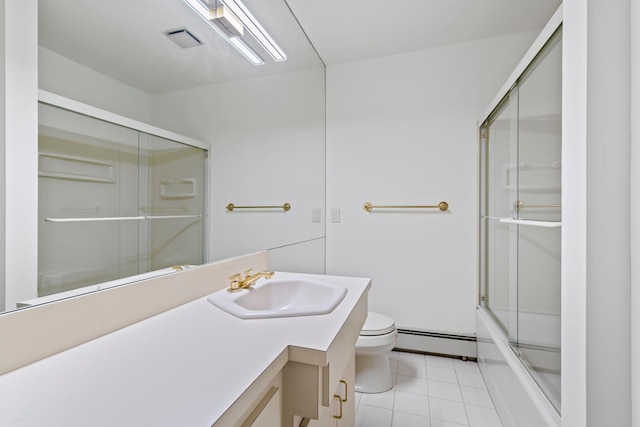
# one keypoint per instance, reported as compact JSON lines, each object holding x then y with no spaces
{"x":3,"y":154}
{"x":19,"y":152}
{"x":304,"y":257}
{"x":62,"y":76}
{"x":635,"y":207}
{"x":267,"y":148}
{"x":402,"y":130}
{"x":596,"y":313}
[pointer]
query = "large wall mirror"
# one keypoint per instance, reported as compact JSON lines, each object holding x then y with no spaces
{"x":159,"y":62}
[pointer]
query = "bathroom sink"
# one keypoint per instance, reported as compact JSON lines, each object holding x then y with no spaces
{"x":275,"y":297}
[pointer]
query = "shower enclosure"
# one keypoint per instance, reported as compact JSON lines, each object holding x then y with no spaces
{"x":114,"y":201}
{"x":520,"y":214}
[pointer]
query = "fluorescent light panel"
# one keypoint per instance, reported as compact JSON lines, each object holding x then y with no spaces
{"x":226,"y":21}
{"x":200,"y":9}
{"x":248,"y":21}
{"x":253,"y":26}
{"x":209,"y":16}
{"x":246,"y":51}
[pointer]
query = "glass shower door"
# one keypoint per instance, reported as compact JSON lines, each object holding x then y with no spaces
{"x":114,"y":202}
{"x":88,"y":201}
{"x":520,"y":145}
{"x":539,"y":206}
{"x":173,"y":203}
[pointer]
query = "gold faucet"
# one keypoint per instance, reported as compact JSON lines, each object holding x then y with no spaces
{"x":239,"y":281}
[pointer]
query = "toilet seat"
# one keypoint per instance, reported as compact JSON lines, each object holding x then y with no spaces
{"x":377,"y":324}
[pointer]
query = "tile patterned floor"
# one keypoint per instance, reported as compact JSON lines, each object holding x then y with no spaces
{"x":429,"y":391}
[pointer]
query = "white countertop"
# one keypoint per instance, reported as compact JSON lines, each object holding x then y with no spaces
{"x":184,"y":367}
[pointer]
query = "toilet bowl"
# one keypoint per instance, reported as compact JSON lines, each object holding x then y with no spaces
{"x":373,"y":347}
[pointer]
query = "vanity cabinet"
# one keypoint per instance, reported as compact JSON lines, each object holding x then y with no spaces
{"x":261,"y":404}
{"x":296,"y":392}
{"x":349,"y":406}
{"x":221,"y":371}
{"x":341,"y":411}
{"x":309,"y":393}
{"x":305,"y":383}
{"x":322,"y":390}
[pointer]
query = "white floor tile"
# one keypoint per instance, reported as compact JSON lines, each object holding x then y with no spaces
{"x":411,"y":404}
{"x":370,"y":416}
{"x":412,"y":357}
{"x":429,"y":391}
{"x":438,"y":373}
{"x":393,"y":363}
{"x":412,"y":368}
{"x":400,"y":419}
{"x":441,"y":423}
{"x":476,"y":396}
{"x":483,"y":417}
{"x":412,"y":385}
{"x":462,"y":365}
{"x":447,"y":410}
{"x":380,"y":400}
{"x":445,"y":362}
{"x":442,"y":390}
{"x":471,"y":379}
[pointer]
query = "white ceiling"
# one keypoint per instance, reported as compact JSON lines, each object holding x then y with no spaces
{"x":123,"y":38}
{"x":348,"y":30}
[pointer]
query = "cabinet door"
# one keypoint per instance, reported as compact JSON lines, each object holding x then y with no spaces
{"x":346,"y":390}
{"x":341,"y":412}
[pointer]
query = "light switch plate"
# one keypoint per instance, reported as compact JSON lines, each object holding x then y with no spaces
{"x":335,"y":215}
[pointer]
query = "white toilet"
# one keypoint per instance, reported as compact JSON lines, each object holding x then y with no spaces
{"x":377,"y":339}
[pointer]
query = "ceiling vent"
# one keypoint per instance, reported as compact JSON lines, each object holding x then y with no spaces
{"x":183,"y":38}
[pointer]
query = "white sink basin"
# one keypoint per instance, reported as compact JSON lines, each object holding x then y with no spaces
{"x":280,"y":298}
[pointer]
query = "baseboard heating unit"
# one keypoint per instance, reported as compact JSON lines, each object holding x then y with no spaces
{"x":463,"y":346}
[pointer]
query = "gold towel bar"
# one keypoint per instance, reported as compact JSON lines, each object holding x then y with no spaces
{"x":286,"y":207}
{"x":443,"y":206}
{"x":121,"y":218}
{"x":522,"y":205}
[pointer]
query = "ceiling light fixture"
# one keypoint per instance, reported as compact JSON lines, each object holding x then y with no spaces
{"x":246,"y":51}
{"x":211,"y":17}
{"x":226,"y":21}
{"x":253,"y":26}
{"x":230,"y":18}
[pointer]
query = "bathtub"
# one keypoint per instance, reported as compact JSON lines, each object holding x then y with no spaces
{"x":519,"y":400}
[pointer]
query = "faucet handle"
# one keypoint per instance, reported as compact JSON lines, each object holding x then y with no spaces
{"x":234,"y":281}
{"x":247,"y":273}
